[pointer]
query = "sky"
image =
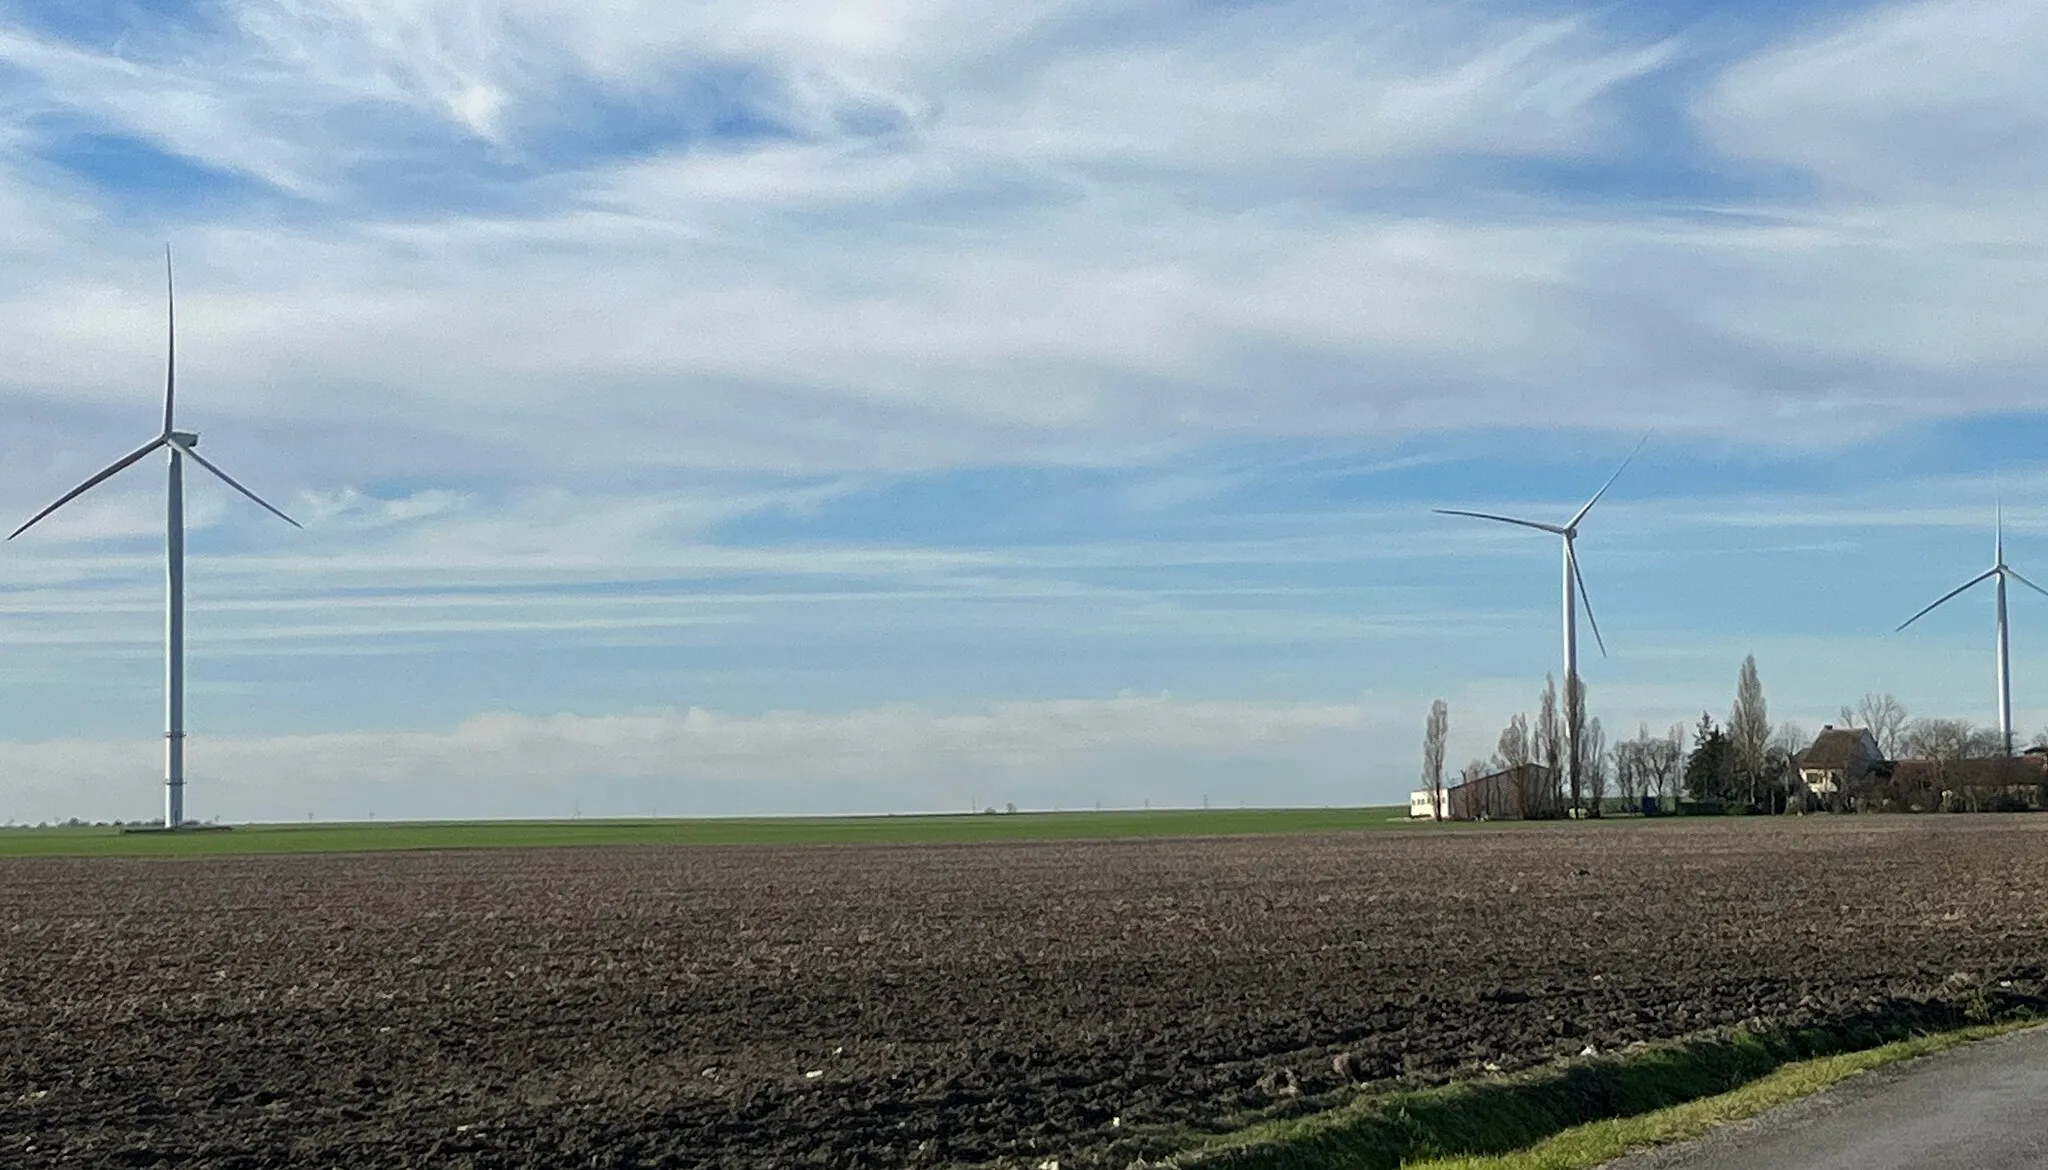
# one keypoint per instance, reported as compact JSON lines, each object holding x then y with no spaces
{"x":901,"y":405}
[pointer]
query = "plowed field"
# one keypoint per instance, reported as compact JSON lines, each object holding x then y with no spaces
{"x":930,"y":1005}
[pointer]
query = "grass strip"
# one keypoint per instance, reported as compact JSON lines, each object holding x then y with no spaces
{"x":361,"y":837}
{"x":1587,"y":1146}
{"x":1590,"y":1110}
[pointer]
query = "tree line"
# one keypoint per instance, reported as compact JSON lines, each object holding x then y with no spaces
{"x":1581,"y":769}
{"x":1745,"y":763}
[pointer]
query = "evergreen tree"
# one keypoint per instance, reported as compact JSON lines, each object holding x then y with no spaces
{"x":1710,"y":769}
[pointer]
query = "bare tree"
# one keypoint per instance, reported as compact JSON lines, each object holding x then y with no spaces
{"x":1593,"y":754}
{"x":1478,"y":801}
{"x":1621,"y":761}
{"x":1944,"y":742}
{"x":1947,"y":739}
{"x":1513,"y":747}
{"x":1514,"y":750}
{"x":1549,"y":736}
{"x":1632,"y":767}
{"x":1788,"y":740}
{"x":1782,"y":754}
{"x":1433,"y":736}
{"x":1749,"y":730}
{"x":1575,"y":741}
{"x":1885,"y":718}
{"x":1664,"y":761}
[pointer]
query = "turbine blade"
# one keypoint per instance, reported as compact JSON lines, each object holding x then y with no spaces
{"x":1983,"y":576}
{"x":1586,"y":600}
{"x":1553,"y":529}
{"x":1610,"y":481}
{"x":229,"y":480}
{"x":171,"y":341}
{"x":89,"y":484}
{"x":2015,"y":573}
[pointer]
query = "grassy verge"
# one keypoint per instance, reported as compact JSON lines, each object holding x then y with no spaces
{"x":1587,"y":1146}
{"x":1586,"y":1112}
{"x":960,"y":828}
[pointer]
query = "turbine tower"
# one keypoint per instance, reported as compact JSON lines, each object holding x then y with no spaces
{"x":1998,"y":571}
{"x":180,"y":446}
{"x":1574,"y":585}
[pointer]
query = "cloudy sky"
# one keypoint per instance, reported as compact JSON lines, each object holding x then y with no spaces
{"x":919,"y":404}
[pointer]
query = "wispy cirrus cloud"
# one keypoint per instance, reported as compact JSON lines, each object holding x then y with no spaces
{"x":1023,"y":219}
{"x":847,"y":354}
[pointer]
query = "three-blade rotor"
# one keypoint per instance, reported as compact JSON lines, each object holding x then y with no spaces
{"x":1998,"y":569}
{"x":1569,"y":531}
{"x":169,"y":439}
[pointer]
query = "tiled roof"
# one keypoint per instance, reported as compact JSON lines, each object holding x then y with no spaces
{"x":1833,"y":748}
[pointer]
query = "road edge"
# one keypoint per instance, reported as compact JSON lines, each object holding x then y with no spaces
{"x":1600,"y":1143}
{"x":1583,"y":1114}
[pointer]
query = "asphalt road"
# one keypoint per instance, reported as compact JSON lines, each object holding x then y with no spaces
{"x":1979,"y":1107}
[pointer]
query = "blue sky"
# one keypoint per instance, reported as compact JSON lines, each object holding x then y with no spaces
{"x":885,"y":406}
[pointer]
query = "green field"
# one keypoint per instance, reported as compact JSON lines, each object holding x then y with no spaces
{"x":963,"y":827}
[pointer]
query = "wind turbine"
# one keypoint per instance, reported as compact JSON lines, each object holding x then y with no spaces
{"x":1999,"y":571}
{"x":1574,"y":582}
{"x":180,"y":445}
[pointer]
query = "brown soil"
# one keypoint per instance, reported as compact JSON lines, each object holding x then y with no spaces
{"x":919,"y":1006}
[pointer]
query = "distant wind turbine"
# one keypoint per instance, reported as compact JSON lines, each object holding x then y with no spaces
{"x":180,"y":445}
{"x":1574,"y":582}
{"x":1999,"y":571}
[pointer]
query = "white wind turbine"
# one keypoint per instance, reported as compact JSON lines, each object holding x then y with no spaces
{"x":180,"y":446}
{"x":1999,"y":571}
{"x":1574,"y":583}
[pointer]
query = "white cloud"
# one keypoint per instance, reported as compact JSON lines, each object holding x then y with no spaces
{"x":1086,"y":244}
{"x":1119,"y":751}
{"x":1099,"y":232}
{"x":1259,"y":91}
{"x":1923,"y":130}
{"x":178,"y":105}
{"x":1933,"y":101}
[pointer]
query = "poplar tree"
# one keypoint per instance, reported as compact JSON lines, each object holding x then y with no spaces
{"x":1749,"y":732}
{"x":1433,"y":736}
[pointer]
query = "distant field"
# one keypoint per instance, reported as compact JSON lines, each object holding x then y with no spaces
{"x":923,"y":830}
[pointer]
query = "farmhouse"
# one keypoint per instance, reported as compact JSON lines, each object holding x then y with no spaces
{"x":1839,"y":765}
